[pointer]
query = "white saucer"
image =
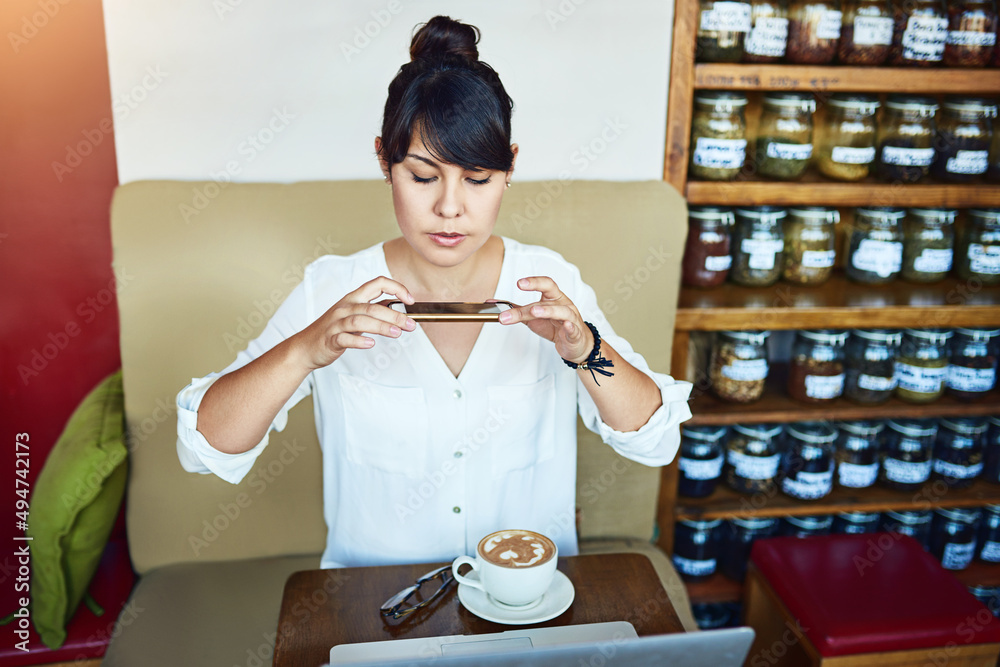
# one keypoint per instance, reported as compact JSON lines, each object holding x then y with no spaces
{"x":555,"y":601}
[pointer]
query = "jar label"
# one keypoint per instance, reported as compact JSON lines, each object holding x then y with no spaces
{"x":906,"y":472}
{"x":768,"y":37}
{"x":754,"y":467}
{"x":829,"y":25}
{"x":882,"y":258}
{"x":872,"y":30}
{"x":857,"y":476}
{"x":984,"y":258}
{"x":924,"y":38}
{"x":933,"y":260}
{"x":718,"y":262}
{"x":920,"y":380}
{"x":781,"y":151}
{"x":963,"y":378}
{"x":822,"y":387}
{"x":852,"y":155}
{"x":726,"y":17}
{"x":876,"y":382}
{"x":720,"y":153}
{"x":968,"y":162}
{"x":971,"y":38}
{"x":958,"y":556}
{"x":955,"y":471}
{"x":701,"y":469}
{"x":818,"y":259}
{"x":907,"y":157}
{"x":694,"y":568}
{"x":761,"y":252}
{"x":808,"y":485}
{"x":745,"y":370}
{"x":990,"y":552}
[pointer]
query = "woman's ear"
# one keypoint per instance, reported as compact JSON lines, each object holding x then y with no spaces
{"x":510,"y":172}
{"x":382,"y":162}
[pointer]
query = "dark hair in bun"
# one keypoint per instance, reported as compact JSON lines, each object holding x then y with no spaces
{"x":456,"y":103}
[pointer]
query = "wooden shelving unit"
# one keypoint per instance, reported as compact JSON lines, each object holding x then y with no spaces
{"x":838,"y":304}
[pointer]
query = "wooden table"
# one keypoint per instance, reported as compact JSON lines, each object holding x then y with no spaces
{"x":323,"y":608}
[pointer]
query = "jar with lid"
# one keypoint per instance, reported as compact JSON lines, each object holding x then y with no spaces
{"x":813,"y":31}
{"x":808,"y":461}
{"x":928,"y":244}
{"x":858,"y":453}
{"x":870,"y":375}
{"x":907,"y":457}
{"x":739,"y":535}
{"x":972,"y":33}
{"x":846,"y":149}
{"x":919,"y":34}
{"x":714,"y":615}
{"x":866,"y":34}
{"x":718,"y":135}
{"x":784,"y":135}
{"x":707,"y":251}
{"x":991,"y":457}
{"x":978,"y":254}
{"x":696,"y":548}
{"x":722,"y":29}
{"x":989,"y":596}
{"x":738,"y":365}
{"x":875,"y":245}
{"x":816,"y":374}
{"x":962,"y":145}
{"x":958,"y":451}
{"x":989,"y":535}
{"x":753,"y":454}
{"x":906,"y":138}
{"x":701,"y":458}
{"x":758,"y":244}
{"x":805,"y":526}
{"x":768,"y":35}
{"x":972,"y":365}
{"x":809,"y":244}
{"x":855,"y":523}
{"x":922,"y":365}
{"x":953,"y":536}
{"x":914,"y":523}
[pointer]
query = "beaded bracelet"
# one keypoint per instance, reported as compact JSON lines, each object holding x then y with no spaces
{"x":595,"y":363}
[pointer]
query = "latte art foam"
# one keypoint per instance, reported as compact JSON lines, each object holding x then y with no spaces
{"x":516,"y":548}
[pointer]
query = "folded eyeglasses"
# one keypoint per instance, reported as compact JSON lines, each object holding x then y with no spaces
{"x":399,"y":605}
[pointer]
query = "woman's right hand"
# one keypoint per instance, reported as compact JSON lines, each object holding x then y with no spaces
{"x":342,"y":326}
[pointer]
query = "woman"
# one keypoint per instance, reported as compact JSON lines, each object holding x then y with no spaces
{"x":436,"y":435}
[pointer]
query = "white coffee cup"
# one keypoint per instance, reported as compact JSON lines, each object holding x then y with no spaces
{"x":514,"y":567}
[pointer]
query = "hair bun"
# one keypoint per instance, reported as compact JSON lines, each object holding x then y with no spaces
{"x":441,"y":37}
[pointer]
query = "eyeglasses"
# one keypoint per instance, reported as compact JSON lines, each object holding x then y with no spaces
{"x":397,"y":606}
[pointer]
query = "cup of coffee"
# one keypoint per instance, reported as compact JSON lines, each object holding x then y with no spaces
{"x":515,"y":567}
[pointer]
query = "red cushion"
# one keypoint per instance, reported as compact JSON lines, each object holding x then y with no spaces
{"x":87,"y":635}
{"x":871,"y":593}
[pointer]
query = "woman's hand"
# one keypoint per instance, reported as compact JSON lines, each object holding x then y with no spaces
{"x":342,"y":326}
{"x":554,"y":318}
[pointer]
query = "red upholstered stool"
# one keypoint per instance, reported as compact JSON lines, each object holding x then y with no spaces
{"x":875,"y":599}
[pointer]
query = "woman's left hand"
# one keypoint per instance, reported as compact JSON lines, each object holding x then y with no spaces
{"x":554,"y":318}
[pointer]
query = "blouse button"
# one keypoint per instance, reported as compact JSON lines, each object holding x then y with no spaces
{"x":458,"y":455}
{"x":456,"y":509}
{"x":457,"y":393}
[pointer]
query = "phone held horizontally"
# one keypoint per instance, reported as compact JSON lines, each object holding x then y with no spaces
{"x":454,"y":311}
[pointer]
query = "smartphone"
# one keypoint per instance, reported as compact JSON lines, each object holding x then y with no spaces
{"x":453,"y":311}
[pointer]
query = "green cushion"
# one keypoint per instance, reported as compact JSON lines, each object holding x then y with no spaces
{"x":74,"y":506}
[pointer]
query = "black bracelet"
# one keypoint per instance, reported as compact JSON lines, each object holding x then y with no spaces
{"x":595,"y":363}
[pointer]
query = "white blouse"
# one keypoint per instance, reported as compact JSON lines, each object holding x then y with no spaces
{"x":418,"y":464}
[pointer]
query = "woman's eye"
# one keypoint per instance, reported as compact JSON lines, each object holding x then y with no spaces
{"x":480,"y":182}
{"x":422,"y":180}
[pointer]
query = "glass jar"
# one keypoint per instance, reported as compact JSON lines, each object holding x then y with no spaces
{"x":858,"y":445}
{"x":906,"y":138}
{"x":700,"y":461}
{"x":768,"y":35}
{"x":972,"y":365}
{"x":707,"y":251}
{"x":856,"y":523}
{"x":813,"y":31}
{"x":870,"y":375}
{"x":718,"y":135}
{"x":866,"y":33}
{"x":991,"y":456}
{"x":972,"y":33}
{"x":738,"y":365}
{"x":958,"y":451}
{"x":989,"y":535}
{"x":914,"y":523}
{"x":906,"y":459}
{"x":978,"y":254}
{"x":722,"y":29}
{"x":919,"y":34}
{"x":962,"y":145}
{"x":875,"y":245}
{"x":808,"y":460}
{"x":758,"y":244}
{"x":739,"y":536}
{"x":696,"y":548}
{"x":928,"y":244}
{"x":805,"y":526}
{"x":816,"y":374}
{"x":809,"y":244}
{"x":784,"y":135}
{"x":753,"y":454}
{"x":953,"y":536}
{"x":922,"y":365}
{"x":846,"y":151}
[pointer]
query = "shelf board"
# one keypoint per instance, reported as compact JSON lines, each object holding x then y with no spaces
{"x":717,"y":588}
{"x":826,"y":78}
{"x":979,"y":573}
{"x":821,"y":192}
{"x":838,"y":303}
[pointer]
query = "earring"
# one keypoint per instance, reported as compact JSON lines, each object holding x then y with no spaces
{"x":508,"y":184}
